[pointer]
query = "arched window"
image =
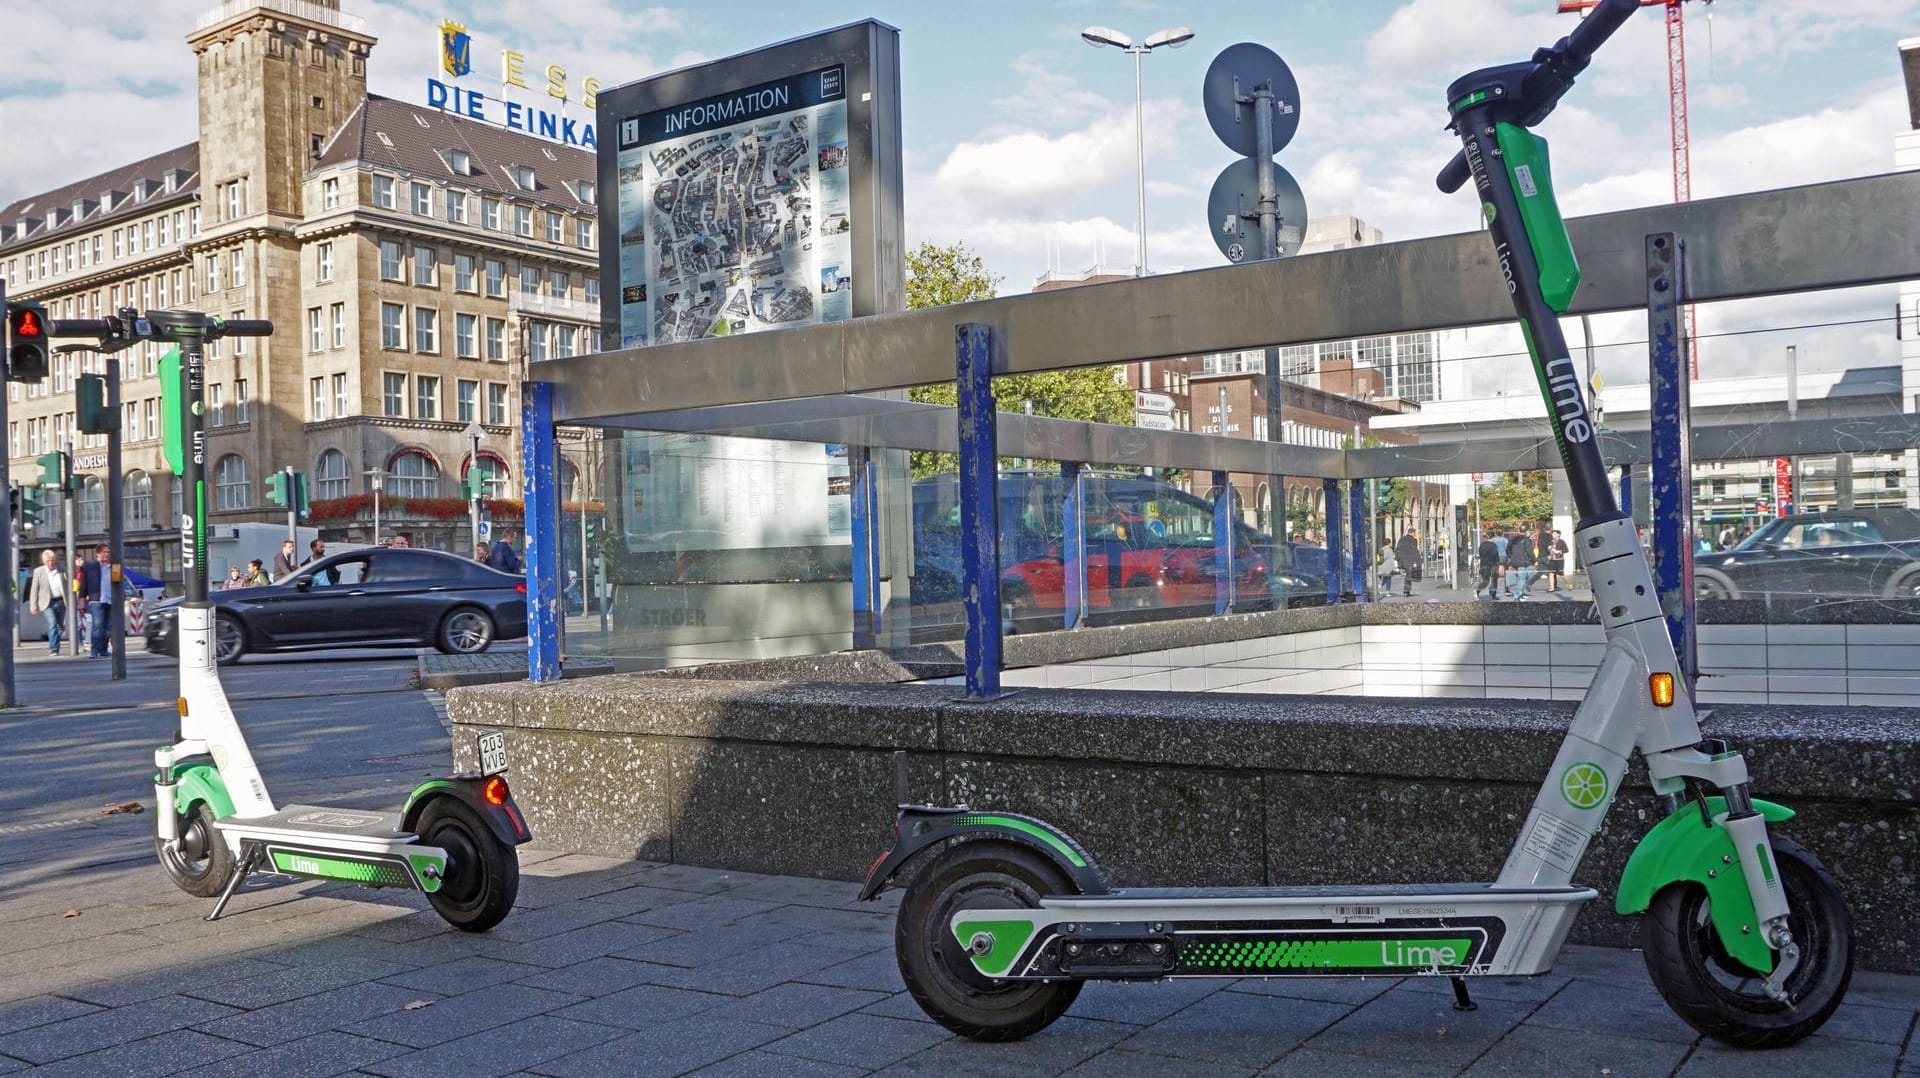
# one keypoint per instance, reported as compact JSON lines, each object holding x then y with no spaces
{"x":330,"y":479}
{"x":413,"y":475}
{"x":569,"y":480}
{"x":494,"y":470}
{"x":93,"y":506}
{"x":138,"y":507}
{"x":231,"y":489}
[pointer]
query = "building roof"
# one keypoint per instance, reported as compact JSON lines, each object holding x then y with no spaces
{"x":133,"y":187}
{"x":419,"y":140}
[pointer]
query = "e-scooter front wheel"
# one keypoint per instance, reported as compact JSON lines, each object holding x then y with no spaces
{"x":1725,"y":999}
{"x":200,"y":863}
{"x":980,"y":875}
{"x":482,"y":875}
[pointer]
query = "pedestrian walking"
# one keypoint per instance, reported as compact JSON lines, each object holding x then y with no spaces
{"x":236,"y":578}
{"x":96,"y":591}
{"x":284,"y":563}
{"x":1556,"y":561}
{"x":1520,"y":564}
{"x":502,"y":557}
{"x":1489,"y":556}
{"x":1388,"y":566}
{"x":47,"y":597}
{"x":1500,"y":539}
{"x":1407,"y":553}
{"x":256,"y":575}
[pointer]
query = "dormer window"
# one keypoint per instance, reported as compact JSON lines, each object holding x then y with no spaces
{"x":523,"y":175}
{"x":585,"y":189}
{"x":80,"y":208}
{"x":461,"y":162}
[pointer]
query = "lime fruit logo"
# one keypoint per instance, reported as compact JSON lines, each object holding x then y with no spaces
{"x":1584,"y":785}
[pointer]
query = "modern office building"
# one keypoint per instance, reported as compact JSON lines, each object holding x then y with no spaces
{"x":410,"y":259}
{"x":1906,"y":156}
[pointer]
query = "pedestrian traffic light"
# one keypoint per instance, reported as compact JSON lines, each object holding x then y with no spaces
{"x":476,"y":483}
{"x":55,"y":470}
{"x":27,"y":507}
{"x":277,"y":493}
{"x":300,"y":505}
{"x":91,"y":413}
{"x":26,"y":342}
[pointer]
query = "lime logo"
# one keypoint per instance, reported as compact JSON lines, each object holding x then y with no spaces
{"x":1486,"y":210}
{"x":1584,"y":785}
{"x":302,"y":864}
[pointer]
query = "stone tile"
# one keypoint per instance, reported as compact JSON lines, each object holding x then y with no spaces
{"x":1139,"y":1004}
{"x":1313,"y":1063}
{"x":1612,"y":965}
{"x":1623,"y":1010}
{"x":167,"y":1053}
{"x":39,"y":1011}
{"x":1533,"y":1050}
{"x":1354,"y":990}
{"x":594,"y":977}
{"x":1119,"y":1063}
{"x":512,"y":1046}
{"x":1420,"y":1027}
{"x":1064,"y":1044}
{"x":639,"y":898}
{"x":758,"y":970}
{"x":704,"y":913}
{"x":861,"y":1040}
{"x":707,"y":881}
{"x":1237,"y":1028}
{"x":303,"y":1017}
{"x":267,"y":989}
{"x":462,"y":975}
{"x":8,"y":1065}
{"x":1897,"y":991}
{"x":1511,"y":989}
{"x":876,"y":972}
{"x":1816,"y":1057}
{"x":105,"y":1028}
{"x":758,"y":1064}
{"x":526,"y":925}
{"x":1859,"y":1022}
{"x":899,"y":1005}
{"x":797,"y":1006}
{"x":593,"y":941}
{"x":672,"y":1048}
{"x":642,"y":1006}
{"x":705,"y":946}
{"x":322,"y":1053}
{"x":498,"y":1006}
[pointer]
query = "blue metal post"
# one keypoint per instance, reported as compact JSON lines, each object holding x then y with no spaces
{"x":1626,"y":489}
{"x":1362,"y":561}
{"x":1330,"y":496}
{"x":1672,"y":458}
{"x":542,"y":525}
{"x":1073,"y":545}
{"x":866,"y":582}
{"x":979,"y":508}
{"x":1223,"y":569}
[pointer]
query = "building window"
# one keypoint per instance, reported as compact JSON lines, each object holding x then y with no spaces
{"x":522,"y":221}
{"x":583,"y":233}
{"x":213,"y":273}
{"x":316,"y":332}
{"x":393,"y":394}
{"x":231,"y":489}
{"x":461,"y":162}
{"x":554,"y":227}
{"x":557,"y":283}
{"x":585,"y":188}
{"x":392,"y":332}
{"x":523,"y":175}
{"x":564,"y":339}
{"x":329,"y":194}
{"x":390,"y":261}
{"x":424,"y":267}
{"x":413,"y":475}
{"x":529,"y":280}
{"x":233,"y":201}
{"x":317,"y":400}
{"x":139,"y":499}
{"x":497,"y":403}
{"x":536,"y":342}
{"x":93,"y":506}
{"x":426,"y":322}
{"x":457,"y":207}
{"x":330,"y":475}
{"x":592,"y":287}
{"x":216,"y":405}
{"x":383,"y":192}
{"x":240,"y":400}
{"x":339,"y":325}
{"x":496,"y":278}
{"x":490,"y":213}
{"x":151,"y":408}
{"x":463,"y":279}
{"x":463,"y":334}
{"x":496,"y":338}
{"x":323,"y":261}
{"x":340,"y":395}
{"x":422,"y":200}
{"x":466,"y":401}
{"x":166,"y":237}
{"x":426,"y":397}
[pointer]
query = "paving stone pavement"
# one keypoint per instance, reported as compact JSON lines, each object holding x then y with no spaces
{"x":632,"y":968}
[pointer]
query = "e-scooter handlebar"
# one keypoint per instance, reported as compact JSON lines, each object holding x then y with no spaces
{"x":81,"y":327}
{"x":242,"y":327}
{"x":1598,"y":26}
{"x":1455,"y":175}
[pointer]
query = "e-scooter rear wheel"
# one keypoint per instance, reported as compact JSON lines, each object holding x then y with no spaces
{"x":200,"y":863}
{"x":1725,"y":999}
{"x":482,"y":875}
{"x":981,"y":875}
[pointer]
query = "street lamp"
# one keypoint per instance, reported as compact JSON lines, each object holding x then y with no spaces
{"x":1172,"y":38}
{"x":377,"y":477}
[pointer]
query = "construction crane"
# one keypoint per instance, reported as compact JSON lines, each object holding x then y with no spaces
{"x":1677,"y":119}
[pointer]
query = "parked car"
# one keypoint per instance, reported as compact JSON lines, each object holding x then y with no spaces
{"x":363,"y":598}
{"x":1872,"y":552}
{"x":1302,"y":581}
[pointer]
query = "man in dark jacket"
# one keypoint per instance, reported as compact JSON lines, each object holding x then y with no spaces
{"x":96,"y":591}
{"x":1520,"y":562}
{"x":1407,"y":553}
{"x":502,"y":557}
{"x":1489,"y":555}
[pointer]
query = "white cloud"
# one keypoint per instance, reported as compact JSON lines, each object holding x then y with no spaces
{"x":1044,"y":172}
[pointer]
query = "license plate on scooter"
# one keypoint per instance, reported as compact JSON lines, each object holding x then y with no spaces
{"x":493,"y":753}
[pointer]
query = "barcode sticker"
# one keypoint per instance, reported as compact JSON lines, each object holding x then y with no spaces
{"x":1358,"y":913}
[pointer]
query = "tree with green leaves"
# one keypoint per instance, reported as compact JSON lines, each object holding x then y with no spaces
{"x":939,"y":275}
{"x":1514,"y":498}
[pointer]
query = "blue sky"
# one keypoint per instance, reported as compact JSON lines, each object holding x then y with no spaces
{"x":1019,"y":137}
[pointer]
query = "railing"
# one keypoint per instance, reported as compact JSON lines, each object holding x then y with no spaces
{"x":299,"y":9}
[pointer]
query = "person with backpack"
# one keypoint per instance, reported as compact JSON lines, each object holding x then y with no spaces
{"x":502,"y":557}
{"x":1489,"y":557}
{"x":1520,"y":564}
{"x":1407,"y":553}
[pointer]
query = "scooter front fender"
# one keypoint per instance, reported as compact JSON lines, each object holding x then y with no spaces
{"x":197,"y":782}
{"x":919,"y":828}
{"x":1683,"y":848}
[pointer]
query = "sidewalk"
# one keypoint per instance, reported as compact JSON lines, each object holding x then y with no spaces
{"x":630,"y":968}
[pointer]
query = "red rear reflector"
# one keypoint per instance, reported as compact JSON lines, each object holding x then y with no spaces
{"x":495,"y":791}
{"x":521,"y":588}
{"x":876,"y":864}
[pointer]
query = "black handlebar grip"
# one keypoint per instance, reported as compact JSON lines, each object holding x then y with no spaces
{"x":79,"y":327}
{"x":1455,"y":175}
{"x":246,"y":327}
{"x":1598,"y":26}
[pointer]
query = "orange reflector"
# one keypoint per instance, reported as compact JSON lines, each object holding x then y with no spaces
{"x":182,"y":701}
{"x":495,"y":791}
{"x":1662,"y":686}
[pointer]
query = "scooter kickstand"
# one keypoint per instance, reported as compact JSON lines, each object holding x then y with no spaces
{"x":249,"y":853}
{"x":1462,"y":1001}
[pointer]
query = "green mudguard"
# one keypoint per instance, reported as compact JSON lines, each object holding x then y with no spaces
{"x":194,"y":783}
{"x":1681,"y":848}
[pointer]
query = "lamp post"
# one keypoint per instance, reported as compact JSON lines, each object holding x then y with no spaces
{"x":1172,"y":38}
{"x":377,"y":478}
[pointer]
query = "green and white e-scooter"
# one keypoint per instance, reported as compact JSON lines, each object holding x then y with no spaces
{"x":215,"y":823}
{"x":1745,"y":934}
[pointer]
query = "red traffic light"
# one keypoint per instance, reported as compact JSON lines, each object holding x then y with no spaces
{"x":27,"y":323}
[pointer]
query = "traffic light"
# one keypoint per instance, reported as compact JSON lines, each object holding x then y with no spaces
{"x":55,"y":470}
{"x":27,"y":347}
{"x":27,"y":508}
{"x":300,"y":505}
{"x":91,"y":413}
{"x":277,"y":493}
{"x":476,"y":483}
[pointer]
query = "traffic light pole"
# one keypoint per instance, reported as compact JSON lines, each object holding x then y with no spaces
{"x":116,"y":525}
{"x":9,"y":608}
{"x":293,"y":507}
{"x":69,"y":525}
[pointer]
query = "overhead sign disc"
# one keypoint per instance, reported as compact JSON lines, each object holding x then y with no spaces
{"x":1233,"y":213}
{"x":1233,"y":75}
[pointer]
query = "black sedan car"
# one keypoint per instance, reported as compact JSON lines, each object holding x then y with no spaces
{"x":1873,"y":552}
{"x":364,"y":599}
